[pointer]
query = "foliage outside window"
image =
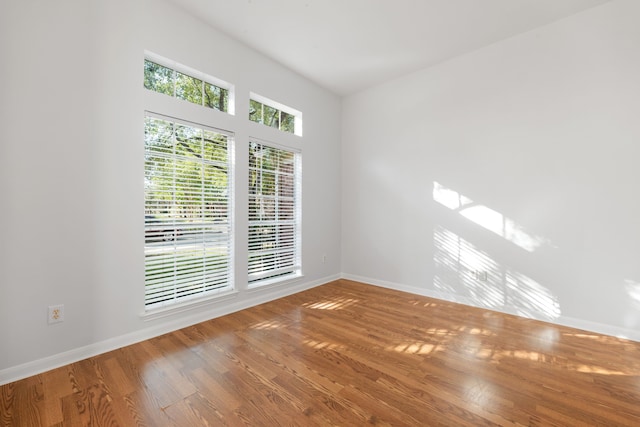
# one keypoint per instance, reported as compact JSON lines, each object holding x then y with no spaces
{"x":174,"y":83}
{"x":274,"y":213}
{"x":270,"y":116}
{"x":187,"y":211}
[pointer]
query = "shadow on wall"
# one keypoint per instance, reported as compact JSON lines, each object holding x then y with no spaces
{"x":462,"y":269}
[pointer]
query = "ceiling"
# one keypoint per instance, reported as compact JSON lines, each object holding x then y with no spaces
{"x":350,"y":45}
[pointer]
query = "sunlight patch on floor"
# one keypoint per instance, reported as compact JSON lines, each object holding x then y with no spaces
{"x":268,"y":324}
{"x":592,"y":369}
{"x":478,"y":331}
{"x":322,"y":345}
{"x":415,"y":347}
{"x":331,"y":304}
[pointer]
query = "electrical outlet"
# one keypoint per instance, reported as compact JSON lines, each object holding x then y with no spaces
{"x":481,"y":275}
{"x":56,"y":313}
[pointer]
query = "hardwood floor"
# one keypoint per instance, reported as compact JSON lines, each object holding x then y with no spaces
{"x":345,"y":354}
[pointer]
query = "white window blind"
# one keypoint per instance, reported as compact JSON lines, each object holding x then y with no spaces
{"x":274,"y":213}
{"x":188,"y":239}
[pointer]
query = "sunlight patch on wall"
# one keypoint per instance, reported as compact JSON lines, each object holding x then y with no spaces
{"x":486,"y":218}
{"x":530,"y":296}
{"x":456,"y":262}
{"x":633,"y":290}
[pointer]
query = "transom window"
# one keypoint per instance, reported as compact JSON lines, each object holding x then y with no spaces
{"x":183,"y":85}
{"x":273,"y":114}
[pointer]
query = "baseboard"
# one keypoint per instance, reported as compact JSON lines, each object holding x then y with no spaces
{"x":251,"y":299}
{"x":570,"y":322}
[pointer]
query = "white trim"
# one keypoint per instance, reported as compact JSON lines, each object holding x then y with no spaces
{"x":274,"y":282}
{"x":160,"y":116}
{"x":159,"y":103}
{"x":35,"y":367}
{"x":296,"y":150}
{"x":265,"y":277}
{"x":275,"y":104}
{"x":297,"y":115}
{"x":189,"y":305}
{"x":570,"y":322}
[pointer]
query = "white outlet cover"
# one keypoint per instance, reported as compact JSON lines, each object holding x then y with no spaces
{"x":56,"y":314}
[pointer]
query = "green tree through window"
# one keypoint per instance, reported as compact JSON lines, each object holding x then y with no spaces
{"x":270,"y":116}
{"x":168,"y":81}
{"x":187,"y":211}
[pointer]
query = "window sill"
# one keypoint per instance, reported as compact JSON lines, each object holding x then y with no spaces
{"x":160,"y":312}
{"x":275,"y":282}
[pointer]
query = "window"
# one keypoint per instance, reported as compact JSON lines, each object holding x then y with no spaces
{"x":274,"y":214}
{"x":273,"y":114}
{"x":188,"y":240}
{"x":181,"y":85}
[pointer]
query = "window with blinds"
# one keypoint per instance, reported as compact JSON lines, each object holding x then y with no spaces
{"x":274,"y":214}
{"x":188,"y":190}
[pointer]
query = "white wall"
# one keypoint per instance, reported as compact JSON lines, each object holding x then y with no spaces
{"x":72,"y":171}
{"x":541,"y":132}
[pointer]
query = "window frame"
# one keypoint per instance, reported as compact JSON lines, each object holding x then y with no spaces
{"x":281,"y":108}
{"x":191,"y":72}
{"x":212,"y":120}
{"x":296,"y":269}
{"x":201,"y":235}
